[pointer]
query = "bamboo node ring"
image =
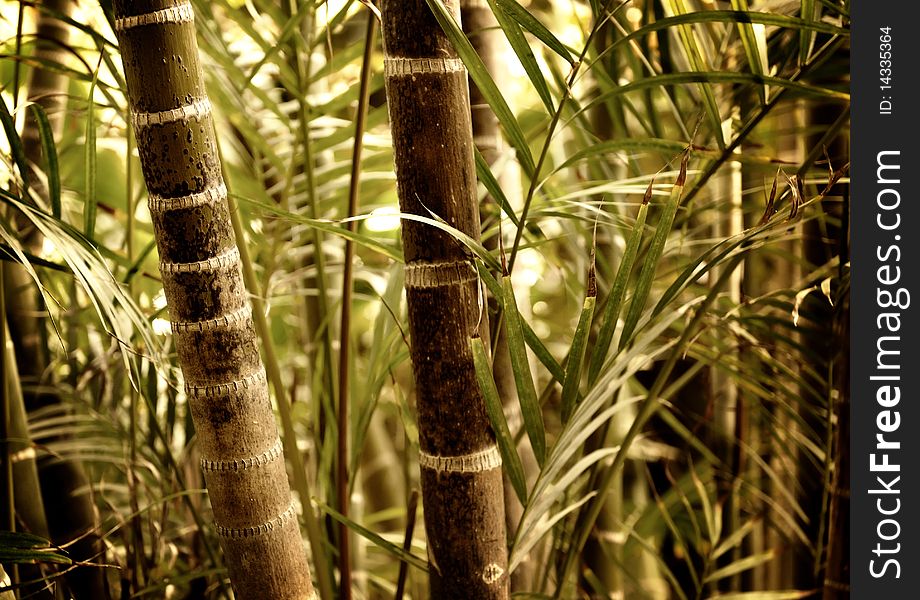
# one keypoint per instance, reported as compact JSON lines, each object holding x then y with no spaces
{"x":157,"y":203}
{"x":398,"y":66}
{"x":196,"y":110}
{"x":229,"y":258}
{"x":225,"y":389}
{"x":236,"y":317}
{"x":427,"y":275}
{"x":477,"y":462}
{"x":241,"y":464}
{"x":182,"y":13}
{"x":264,"y":528}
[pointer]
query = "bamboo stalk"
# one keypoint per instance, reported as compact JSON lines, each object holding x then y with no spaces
{"x":211,"y":316}
{"x":462,"y":493}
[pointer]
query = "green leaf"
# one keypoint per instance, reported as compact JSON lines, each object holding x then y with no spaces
{"x":650,"y":262}
{"x":523,"y":380}
{"x":493,"y":403}
{"x":756,"y":61}
{"x":698,"y":63}
{"x":22,"y":541}
{"x":717,"y":77}
{"x":50,"y":152}
{"x":734,"y":540}
{"x":806,"y":37}
{"x":748,"y":562}
{"x":529,"y":22}
{"x":618,"y":291}
{"x":484,"y":172}
{"x":522,"y":49}
{"x":732,"y":16}
{"x":577,"y":357}
{"x":530,"y":337}
{"x":27,"y":548}
{"x":375,"y":539}
{"x":484,"y":82}
{"x":19,"y":154}
{"x":89,"y":164}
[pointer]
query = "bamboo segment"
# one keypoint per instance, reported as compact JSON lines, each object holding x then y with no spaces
{"x":462,"y":492}
{"x":211,"y":318}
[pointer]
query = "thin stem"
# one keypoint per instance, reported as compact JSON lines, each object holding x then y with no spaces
{"x":9,"y":505}
{"x":8,"y":502}
{"x":342,"y":459}
{"x":407,"y":544}
{"x":273,"y":371}
{"x":817,"y":58}
{"x":534,"y":181}
{"x":303,"y":83}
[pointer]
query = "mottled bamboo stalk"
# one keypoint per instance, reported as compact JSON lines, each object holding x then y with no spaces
{"x":461,"y":476}
{"x":242,"y":457}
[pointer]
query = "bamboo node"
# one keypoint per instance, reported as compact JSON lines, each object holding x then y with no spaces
{"x":230,"y":258}
{"x":241,"y":464}
{"x":225,"y":389}
{"x":182,"y":13}
{"x":196,"y":110}
{"x":492,"y":573}
{"x":397,"y":66}
{"x":157,"y":203}
{"x":477,"y":462}
{"x":264,"y":528}
{"x":236,"y":317}
{"x":438,"y":274}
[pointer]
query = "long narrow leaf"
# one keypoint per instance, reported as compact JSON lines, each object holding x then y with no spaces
{"x":50,"y":152}
{"x":89,"y":164}
{"x":484,"y":82}
{"x":484,"y":172}
{"x":493,"y":402}
{"x":534,"y":26}
{"x":699,"y":64}
{"x":19,"y":155}
{"x":522,"y":49}
{"x":577,"y":357}
{"x":523,"y":380}
{"x":618,"y":291}
{"x":650,"y":263}
{"x":530,"y":337}
{"x":756,"y":62}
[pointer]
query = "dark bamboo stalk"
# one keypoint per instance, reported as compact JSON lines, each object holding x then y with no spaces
{"x":70,"y":516}
{"x":211,"y":317}
{"x":460,"y":463}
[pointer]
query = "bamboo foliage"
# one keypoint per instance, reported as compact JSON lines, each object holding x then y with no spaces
{"x":622,"y":495}
{"x":211,"y":317}
{"x":71,"y":517}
